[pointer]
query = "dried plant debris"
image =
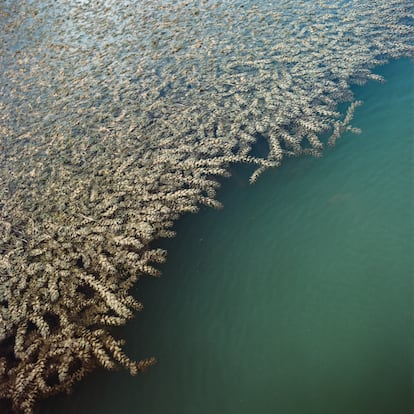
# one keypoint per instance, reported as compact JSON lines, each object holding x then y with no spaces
{"x":117,"y":117}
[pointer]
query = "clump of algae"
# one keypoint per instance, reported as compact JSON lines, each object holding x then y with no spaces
{"x":118,"y":117}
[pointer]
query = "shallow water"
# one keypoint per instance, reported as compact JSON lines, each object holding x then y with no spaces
{"x":296,"y":298}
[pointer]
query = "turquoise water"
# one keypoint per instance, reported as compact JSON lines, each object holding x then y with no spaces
{"x":296,"y":298}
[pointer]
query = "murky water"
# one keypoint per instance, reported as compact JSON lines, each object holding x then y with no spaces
{"x":296,"y":298}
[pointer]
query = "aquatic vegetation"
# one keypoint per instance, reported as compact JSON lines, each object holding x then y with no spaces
{"x":120,"y":120}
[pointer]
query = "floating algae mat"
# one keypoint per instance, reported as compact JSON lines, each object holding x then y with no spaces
{"x":119,"y":117}
{"x":304,"y":308}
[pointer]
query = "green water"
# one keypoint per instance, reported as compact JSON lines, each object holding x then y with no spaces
{"x":296,"y":298}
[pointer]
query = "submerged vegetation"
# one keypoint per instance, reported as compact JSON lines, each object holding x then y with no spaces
{"x":118,"y":117}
